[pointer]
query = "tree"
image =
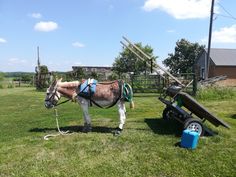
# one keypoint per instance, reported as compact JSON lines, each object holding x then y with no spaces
{"x":26,"y":77}
{"x":183,"y":59}
{"x":80,"y":74}
{"x":94,"y":75}
{"x":128,"y":62}
{"x":44,"y":69}
{"x":42,"y":77}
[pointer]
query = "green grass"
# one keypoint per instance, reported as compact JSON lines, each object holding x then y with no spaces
{"x":216,"y":93}
{"x":147,"y":146}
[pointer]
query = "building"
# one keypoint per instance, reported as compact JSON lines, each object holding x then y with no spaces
{"x":102,"y":71}
{"x":222,"y":62}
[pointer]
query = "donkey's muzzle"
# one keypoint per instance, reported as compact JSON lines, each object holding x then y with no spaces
{"x":48,"y":104}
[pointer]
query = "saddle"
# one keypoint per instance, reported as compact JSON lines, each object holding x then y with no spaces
{"x":87,"y":88}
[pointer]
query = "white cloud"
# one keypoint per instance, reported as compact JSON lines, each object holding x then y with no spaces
{"x":78,"y":45}
{"x":2,"y":40}
{"x":14,"y":61}
{"x":46,"y":26}
{"x":181,"y":9}
{"x":223,"y":35}
{"x":36,"y":15}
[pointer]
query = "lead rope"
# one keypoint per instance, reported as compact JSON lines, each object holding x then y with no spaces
{"x":58,"y":128}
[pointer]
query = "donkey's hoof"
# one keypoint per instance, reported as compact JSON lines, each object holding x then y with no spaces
{"x":117,"y":131}
{"x":87,"y":128}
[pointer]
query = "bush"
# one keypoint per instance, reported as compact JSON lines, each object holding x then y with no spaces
{"x":216,"y":93}
{"x":11,"y":85}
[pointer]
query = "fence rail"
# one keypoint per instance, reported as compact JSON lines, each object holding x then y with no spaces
{"x":13,"y":84}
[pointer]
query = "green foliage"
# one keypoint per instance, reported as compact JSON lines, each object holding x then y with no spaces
{"x":216,"y":93}
{"x":128,"y":62}
{"x":94,"y":75}
{"x":11,"y":85}
{"x":80,"y":74}
{"x":42,"y":78}
{"x":1,"y":76}
{"x":147,"y":146}
{"x":113,"y":76}
{"x":5,"y":82}
{"x":44,"y":69}
{"x":184,"y":57}
{"x":18,"y":74}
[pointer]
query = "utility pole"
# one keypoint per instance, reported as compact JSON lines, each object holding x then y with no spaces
{"x":38,"y":56}
{"x":38,"y":71}
{"x":38,"y":62}
{"x":209,"y":40}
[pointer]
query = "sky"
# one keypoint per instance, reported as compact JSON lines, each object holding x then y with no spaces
{"x":88,"y":32}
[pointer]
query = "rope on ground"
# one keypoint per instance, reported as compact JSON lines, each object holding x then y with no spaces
{"x":46,"y":137}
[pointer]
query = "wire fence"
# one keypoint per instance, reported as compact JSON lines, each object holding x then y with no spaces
{"x":156,"y":83}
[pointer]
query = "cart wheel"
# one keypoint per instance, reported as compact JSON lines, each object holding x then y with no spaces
{"x":194,"y":125}
{"x":167,"y":113}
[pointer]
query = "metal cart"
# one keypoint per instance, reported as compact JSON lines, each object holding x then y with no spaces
{"x":181,"y":106}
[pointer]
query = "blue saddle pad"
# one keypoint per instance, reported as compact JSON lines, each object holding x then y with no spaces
{"x":88,"y":87}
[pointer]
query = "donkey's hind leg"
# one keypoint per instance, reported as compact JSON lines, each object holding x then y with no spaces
{"x":87,"y":120}
{"x":122,"y":117}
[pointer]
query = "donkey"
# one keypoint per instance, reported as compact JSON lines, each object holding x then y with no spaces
{"x":107,"y":94}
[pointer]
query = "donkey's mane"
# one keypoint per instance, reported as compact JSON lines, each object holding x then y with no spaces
{"x":68,"y":84}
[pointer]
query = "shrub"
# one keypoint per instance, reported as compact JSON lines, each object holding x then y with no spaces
{"x":10,"y":85}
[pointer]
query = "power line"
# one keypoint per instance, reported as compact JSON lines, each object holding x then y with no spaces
{"x":226,"y":16}
{"x":227,"y":12}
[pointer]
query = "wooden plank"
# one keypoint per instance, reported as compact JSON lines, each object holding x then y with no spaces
{"x":165,"y":71}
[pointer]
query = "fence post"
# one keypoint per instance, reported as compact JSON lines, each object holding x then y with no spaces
{"x":194,"y":84}
{"x":19,"y":81}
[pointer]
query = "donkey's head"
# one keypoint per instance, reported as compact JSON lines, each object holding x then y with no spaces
{"x":52,"y":95}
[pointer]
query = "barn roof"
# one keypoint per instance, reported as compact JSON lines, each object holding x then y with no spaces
{"x":223,"y":57}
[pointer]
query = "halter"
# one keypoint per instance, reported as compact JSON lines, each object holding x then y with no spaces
{"x":58,"y":97}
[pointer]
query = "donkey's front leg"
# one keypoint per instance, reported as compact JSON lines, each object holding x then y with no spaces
{"x":87,"y":120}
{"x":121,"y":110}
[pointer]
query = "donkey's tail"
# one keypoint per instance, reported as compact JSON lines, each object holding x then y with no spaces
{"x":128,"y":94}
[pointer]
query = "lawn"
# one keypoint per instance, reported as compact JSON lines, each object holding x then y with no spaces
{"x":148,"y":145}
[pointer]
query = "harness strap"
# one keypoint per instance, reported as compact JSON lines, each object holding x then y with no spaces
{"x":113,"y":104}
{"x":120,"y":83}
{"x":63,"y":102}
{"x":72,"y":98}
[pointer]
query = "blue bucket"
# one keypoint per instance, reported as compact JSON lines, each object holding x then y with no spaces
{"x":189,"y":139}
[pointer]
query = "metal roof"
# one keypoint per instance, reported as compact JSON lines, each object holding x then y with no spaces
{"x":223,"y":57}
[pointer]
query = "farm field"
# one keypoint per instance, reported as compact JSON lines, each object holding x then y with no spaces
{"x":148,"y":145}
